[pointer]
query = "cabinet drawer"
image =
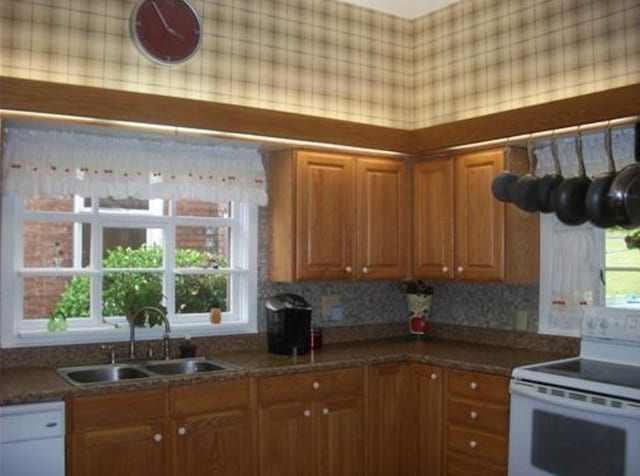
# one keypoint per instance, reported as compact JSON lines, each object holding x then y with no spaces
{"x":460,"y":466}
{"x":201,"y":398}
{"x":116,"y":408}
{"x":477,"y":416}
{"x":478,"y":445}
{"x":310,"y":385}
{"x":473,"y":385}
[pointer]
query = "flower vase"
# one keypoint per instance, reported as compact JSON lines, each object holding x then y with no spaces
{"x":420,"y":307}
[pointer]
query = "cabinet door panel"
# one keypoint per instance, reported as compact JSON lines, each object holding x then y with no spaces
{"x":426,"y":397}
{"x":325,"y":228}
{"x":387,"y":416}
{"x":433,"y":219}
{"x":119,"y":451}
{"x":341,"y":437}
{"x":382,"y":219}
{"x":479,"y":240}
{"x":286,"y":440}
{"x":215,"y":444}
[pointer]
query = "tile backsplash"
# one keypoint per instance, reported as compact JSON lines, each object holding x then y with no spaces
{"x":329,"y":59}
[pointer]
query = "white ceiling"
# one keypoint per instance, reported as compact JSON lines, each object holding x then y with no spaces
{"x":403,"y":8}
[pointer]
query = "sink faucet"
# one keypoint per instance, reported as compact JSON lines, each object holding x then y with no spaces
{"x":146,"y":311}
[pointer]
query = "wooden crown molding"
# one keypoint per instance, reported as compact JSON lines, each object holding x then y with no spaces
{"x":584,"y":109}
{"x":73,"y":100}
{"x":83,"y":101}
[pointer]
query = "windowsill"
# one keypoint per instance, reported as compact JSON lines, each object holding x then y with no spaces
{"x":101,"y":334}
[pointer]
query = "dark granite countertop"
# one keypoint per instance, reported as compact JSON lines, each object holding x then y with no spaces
{"x":33,"y":384}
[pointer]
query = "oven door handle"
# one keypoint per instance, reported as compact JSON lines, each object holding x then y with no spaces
{"x":528,"y":390}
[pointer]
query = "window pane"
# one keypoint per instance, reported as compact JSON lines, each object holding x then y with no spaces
{"x":49,"y":203}
{"x":123,"y":293}
{"x":202,"y":247}
{"x":130,"y":203}
{"x":623,"y":288}
{"x":49,"y":245}
{"x":132,"y":247}
{"x":202,"y":209}
{"x":65,"y":295}
{"x":617,"y":254}
{"x":201,"y":293}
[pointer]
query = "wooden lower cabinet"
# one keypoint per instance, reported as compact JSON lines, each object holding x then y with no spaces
{"x":476,"y":424}
{"x":118,"y":434}
{"x":212,"y":429}
{"x":388,"y":417}
{"x":312,"y":424}
{"x":426,"y":398}
{"x":121,"y":450}
{"x":193,"y":430}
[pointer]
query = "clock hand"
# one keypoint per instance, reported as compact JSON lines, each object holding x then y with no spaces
{"x":165,"y":24}
{"x":161,"y":16}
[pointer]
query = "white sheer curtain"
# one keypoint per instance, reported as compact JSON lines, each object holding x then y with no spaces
{"x":56,"y":162}
{"x":571,"y":258}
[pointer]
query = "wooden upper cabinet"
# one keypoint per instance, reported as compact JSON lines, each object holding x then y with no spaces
{"x":433,"y":218}
{"x":461,"y":231}
{"x":479,"y":237}
{"x":382,"y":211}
{"x":324,"y":217}
{"x":336,"y":217}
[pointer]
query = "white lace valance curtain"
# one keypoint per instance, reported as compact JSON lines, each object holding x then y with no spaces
{"x":65,"y":163}
{"x":593,"y":152}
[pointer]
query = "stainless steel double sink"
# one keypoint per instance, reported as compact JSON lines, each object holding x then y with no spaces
{"x":126,"y":371}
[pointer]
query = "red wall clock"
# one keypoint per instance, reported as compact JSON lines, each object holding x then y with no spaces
{"x":167,"y":31}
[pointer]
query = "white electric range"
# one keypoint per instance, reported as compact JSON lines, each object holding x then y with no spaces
{"x":581,"y":416}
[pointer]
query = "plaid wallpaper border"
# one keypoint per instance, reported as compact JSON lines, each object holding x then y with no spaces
{"x":330,"y":59}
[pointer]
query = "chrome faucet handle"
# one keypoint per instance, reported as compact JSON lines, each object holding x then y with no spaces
{"x":112,"y":352}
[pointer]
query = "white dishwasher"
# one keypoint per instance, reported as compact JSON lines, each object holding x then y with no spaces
{"x":32,"y":439}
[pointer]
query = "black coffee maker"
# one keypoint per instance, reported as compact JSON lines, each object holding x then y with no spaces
{"x":288,"y":323}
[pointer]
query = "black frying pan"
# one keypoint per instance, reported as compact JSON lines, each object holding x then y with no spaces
{"x":524,"y":189}
{"x":632,"y":202}
{"x":619,"y":190}
{"x":549,"y":183}
{"x":502,"y":184}
{"x":597,"y":194}
{"x":569,"y":197}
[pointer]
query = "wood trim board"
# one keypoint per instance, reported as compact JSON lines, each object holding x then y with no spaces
{"x":83,"y":101}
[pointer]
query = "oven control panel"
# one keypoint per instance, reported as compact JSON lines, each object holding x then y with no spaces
{"x":618,"y":324}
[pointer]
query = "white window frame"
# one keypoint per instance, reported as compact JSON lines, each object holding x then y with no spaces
{"x":17,"y":332}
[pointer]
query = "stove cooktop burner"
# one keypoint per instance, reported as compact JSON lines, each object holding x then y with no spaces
{"x":594,"y":371}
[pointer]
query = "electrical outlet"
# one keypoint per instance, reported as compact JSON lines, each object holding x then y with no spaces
{"x":329,"y":302}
